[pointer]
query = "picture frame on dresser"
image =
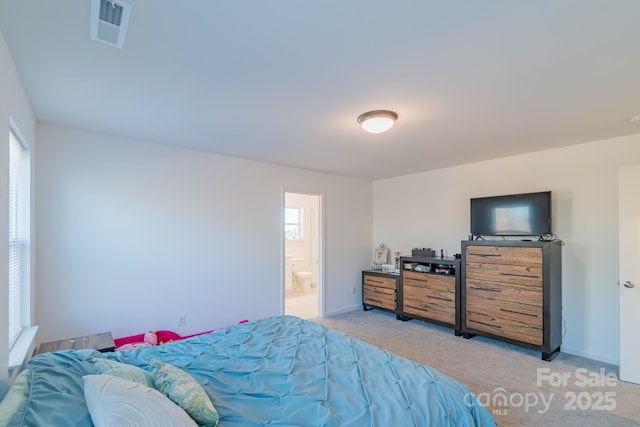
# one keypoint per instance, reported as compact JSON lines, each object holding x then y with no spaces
{"x":381,"y":255}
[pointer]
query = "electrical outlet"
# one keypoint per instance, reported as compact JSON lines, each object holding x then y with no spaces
{"x":182,"y":319}
{"x":353,"y":290}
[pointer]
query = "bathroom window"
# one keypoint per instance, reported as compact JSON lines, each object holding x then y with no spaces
{"x":292,"y":223}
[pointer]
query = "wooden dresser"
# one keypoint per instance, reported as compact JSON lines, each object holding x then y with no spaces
{"x":379,"y":290}
{"x":429,"y":290}
{"x":512,"y":291}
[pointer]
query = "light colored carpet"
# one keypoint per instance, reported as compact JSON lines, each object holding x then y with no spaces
{"x":492,"y":369}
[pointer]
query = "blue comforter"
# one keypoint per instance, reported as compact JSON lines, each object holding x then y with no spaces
{"x":281,"y":371}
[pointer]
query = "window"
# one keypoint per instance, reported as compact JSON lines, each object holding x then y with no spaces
{"x":292,"y":223}
{"x":19,"y":192}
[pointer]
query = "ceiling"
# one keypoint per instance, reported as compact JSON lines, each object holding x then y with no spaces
{"x":284,"y":81}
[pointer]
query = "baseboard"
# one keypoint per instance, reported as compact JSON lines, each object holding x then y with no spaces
{"x":589,"y":355}
{"x":343,"y":310}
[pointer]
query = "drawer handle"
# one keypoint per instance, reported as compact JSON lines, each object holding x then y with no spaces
{"x":528,"y":276}
{"x":518,"y":312}
{"x":484,"y":288}
{"x":487,"y":324}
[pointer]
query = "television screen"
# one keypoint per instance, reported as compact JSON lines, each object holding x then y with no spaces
{"x":512,"y":215}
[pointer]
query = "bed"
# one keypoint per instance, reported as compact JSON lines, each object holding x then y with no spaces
{"x":278,"y":371}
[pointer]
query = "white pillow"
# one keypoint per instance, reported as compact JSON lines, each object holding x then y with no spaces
{"x":116,"y":402}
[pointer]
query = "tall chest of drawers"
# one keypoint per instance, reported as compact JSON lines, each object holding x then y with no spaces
{"x":512,"y":291}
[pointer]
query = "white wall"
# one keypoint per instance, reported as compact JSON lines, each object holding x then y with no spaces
{"x":432,"y":210}
{"x":14,"y":105}
{"x":134,"y":234}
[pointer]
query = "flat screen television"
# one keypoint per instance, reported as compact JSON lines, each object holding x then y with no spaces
{"x":512,"y":215}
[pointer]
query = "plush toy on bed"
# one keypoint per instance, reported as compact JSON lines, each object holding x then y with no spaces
{"x":151,"y":338}
{"x":147,"y":339}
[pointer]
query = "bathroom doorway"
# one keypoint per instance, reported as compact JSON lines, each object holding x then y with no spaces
{"x":302,"y":255}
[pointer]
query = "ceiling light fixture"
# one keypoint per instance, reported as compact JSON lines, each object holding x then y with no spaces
{"x":377,"y":121}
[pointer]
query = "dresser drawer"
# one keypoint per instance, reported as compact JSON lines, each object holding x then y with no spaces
{"x":484,"y":319}
{"x":431,"y":281}
{"x":497,"y":273}
{"x":379,"y":281}
{"x":530,"y":315}
{"x":379,"y":297}
{"x":504,"y":255}
{"x":431,"y":303}
{"x":504,"y":292}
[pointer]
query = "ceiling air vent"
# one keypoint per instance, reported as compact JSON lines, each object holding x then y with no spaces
{"x":109,"y":21}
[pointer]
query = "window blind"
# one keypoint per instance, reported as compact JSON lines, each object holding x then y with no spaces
{"x":17,"y":240}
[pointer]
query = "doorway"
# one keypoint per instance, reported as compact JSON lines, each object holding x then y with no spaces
{"x":302,"y":258}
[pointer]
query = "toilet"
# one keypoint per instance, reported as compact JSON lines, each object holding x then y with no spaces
{"x":303,"y":279}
